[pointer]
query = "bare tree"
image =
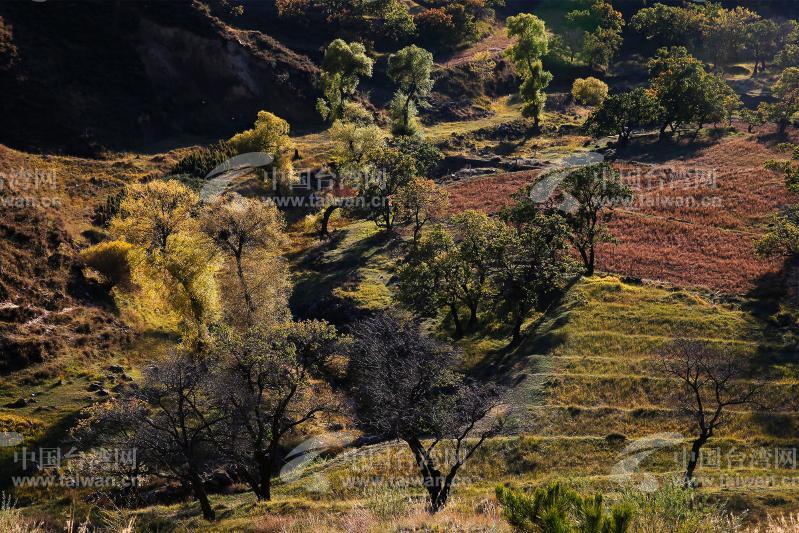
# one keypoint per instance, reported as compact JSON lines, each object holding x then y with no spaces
{"x":407,"y":386}
{"x":168,"y":420}
{"x":711,"y":382}
{"x":267,"y":389}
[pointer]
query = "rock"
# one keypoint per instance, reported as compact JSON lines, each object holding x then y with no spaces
{"x":103,"y":392}
{"x":125,"y":377}
{"x":118,"y":388}
{"x":94,"y":386}
{"x":218,"y":481}
{"x":17,"y":404}
{"x":524,"y":163}
{"x":615,"y":438}
{"x":116,"y":369}
{"x":471,"y":173}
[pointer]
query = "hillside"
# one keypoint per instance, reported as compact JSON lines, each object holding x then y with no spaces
{"x":399,"y":265}
{"x":142,"y":75}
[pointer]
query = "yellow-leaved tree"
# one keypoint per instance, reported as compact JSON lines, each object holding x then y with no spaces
{"x":249,"y":234}
{"x":170,"y":259}
{"x":270,"y":134}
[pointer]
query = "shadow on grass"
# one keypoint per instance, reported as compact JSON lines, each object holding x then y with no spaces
{"x":54,"y":437}
{"x":649,"y":149}
{"x":772,"y":303}
{"x":329,"y":265}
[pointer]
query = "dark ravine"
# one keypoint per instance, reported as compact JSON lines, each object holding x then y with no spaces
{"x":136,"y":74}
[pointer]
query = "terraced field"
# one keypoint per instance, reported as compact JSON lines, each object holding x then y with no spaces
{"x":585,"y":384}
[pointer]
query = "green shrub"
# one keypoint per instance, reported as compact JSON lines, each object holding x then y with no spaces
{"x":556,"y":509}
{"x":110,"y":259}
{"x":103,"y":213}
{"x":589,"y":91}
{"x":200,"y":161}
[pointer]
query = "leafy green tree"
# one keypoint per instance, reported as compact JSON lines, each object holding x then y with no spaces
{"x":270,"y":134}
{"x":479,"y":237}
{"x":445,"y":274}
{"x":786,"y":91}
{"x":419,"y":202}
{"x":391,"y":170}
{"x":623,"y":113}
{"x":398,"y":24}
{"x":532,"y":265}
{"x":753,"y":117}
{"x":411,"y":70}
{"x":594,"y":28}
{"x":424,"y":153}
{"x":532,"y":43}
{"x":665,"y":25}
{"x":686,"y":94}
{"x":342,"y":67}
{"x":600,"y":46}
{"x":782,"y":239}
{"x":556,"y":509}
{"x":789,"y":55}
{"x":596,"y":189}
{"x":601,"y":42}
{"x":428,"y":281}
{"x":725,"y":31}
{"x":763,"y":39}
{"x":354,"y":145}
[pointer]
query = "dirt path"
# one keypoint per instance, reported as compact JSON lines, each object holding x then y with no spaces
{"x":493,"y":44}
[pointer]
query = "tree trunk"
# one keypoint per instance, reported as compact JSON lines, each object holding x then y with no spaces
{"x":662,"y":136}
{"x":324,"y":231}
{"x":517,"y":328}
{"x":472,"y":324}
{"x":694,"y":459}
{"x":406,"y":114}
{"x":589,"y":268}
{"x":246,"y":290}
{"x":537,"y":123}
{"x":453,"y":311}
{"x":202,"y":497}
{"x":435,"y":484}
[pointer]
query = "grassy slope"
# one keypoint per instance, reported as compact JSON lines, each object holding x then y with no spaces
{"x":588,"y":369}
{"x":584,"y":371}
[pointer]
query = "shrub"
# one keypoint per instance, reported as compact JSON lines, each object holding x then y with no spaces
{"x":435,"y":26}
{"x":111,"y":260}
{"x":589,"y":91}
{"x":200,"y":161}
{"x":270,"y":134}
{"x":556,"y":508}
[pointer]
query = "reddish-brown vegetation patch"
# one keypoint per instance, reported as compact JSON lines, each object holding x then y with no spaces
{"x":693,"y":222}
{"x":490,"y":193}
